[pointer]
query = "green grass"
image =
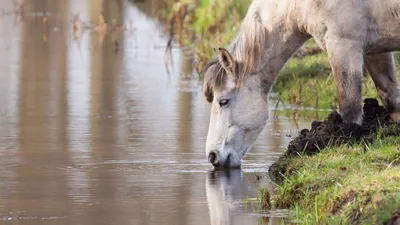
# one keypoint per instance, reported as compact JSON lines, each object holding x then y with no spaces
{"x":345,"y":185}
{"x":209,"y":24}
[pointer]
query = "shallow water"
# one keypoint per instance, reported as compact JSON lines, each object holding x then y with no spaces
{"x":93,"y":130}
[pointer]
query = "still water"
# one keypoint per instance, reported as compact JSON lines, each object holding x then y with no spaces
{"x":94,"y":130}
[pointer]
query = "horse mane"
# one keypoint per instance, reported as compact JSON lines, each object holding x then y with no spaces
{"x":246,"y":50}
{"x":248,"y":46}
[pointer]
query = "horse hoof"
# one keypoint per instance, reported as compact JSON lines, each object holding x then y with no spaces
{"x":395,"y":117}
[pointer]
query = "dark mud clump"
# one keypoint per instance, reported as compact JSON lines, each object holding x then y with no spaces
{"x":333,"y":131}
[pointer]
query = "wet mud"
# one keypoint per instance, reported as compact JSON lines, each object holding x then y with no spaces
{"x":333,"y":131}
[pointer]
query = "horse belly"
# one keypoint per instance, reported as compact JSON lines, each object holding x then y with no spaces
{"x":384,"y":38}
{"x":384,"y":26}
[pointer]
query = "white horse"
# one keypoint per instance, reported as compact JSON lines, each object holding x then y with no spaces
{"x":239,"y":79}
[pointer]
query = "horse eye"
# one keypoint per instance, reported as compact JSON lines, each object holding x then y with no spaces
{"x":223,"y":102}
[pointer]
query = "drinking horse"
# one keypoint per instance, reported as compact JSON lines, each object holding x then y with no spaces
{"x":237,"y":82}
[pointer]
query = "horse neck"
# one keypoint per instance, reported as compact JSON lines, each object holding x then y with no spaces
{"x":283,"y":37}
{"x":278,"y":33}
{"x":280,"y":47}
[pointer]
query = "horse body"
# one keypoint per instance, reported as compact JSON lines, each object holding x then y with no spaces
{"x":373,"y":24}
{"x":238,"y":81}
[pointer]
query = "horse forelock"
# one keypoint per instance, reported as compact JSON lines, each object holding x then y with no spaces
{"x":214,"y":78}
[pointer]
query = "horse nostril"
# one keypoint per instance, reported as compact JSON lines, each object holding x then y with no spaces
{"x":213,"y":158}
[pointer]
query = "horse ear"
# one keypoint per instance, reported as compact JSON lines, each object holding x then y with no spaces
{"x":216,"y":51}
{"x":226,"y":60}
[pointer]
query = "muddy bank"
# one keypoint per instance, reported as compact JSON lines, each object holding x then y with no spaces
{"x":333,"y":131}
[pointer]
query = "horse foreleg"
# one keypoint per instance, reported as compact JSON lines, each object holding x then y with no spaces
{"x":383,"y":72}
{"x":346,"y":59}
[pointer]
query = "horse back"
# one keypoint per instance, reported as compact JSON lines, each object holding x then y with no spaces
{"x":373,"y":23}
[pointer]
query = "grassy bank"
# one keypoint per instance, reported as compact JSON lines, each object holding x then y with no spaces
{"x":345,"y":185}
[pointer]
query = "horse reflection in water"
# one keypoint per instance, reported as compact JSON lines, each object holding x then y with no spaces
{"x":225,"y":191}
